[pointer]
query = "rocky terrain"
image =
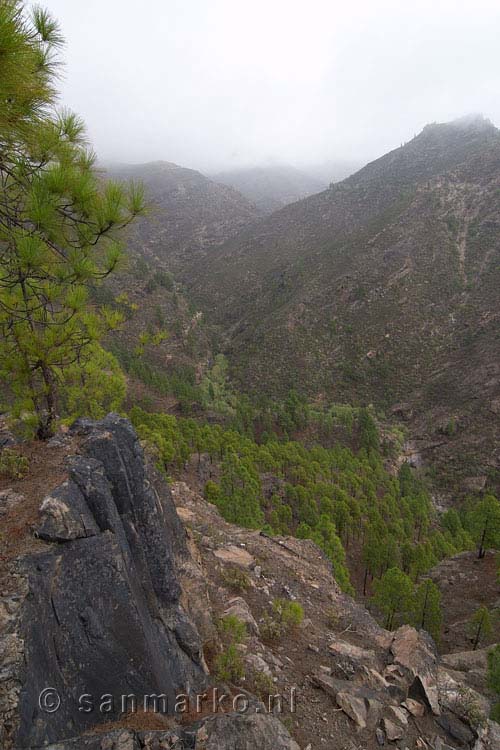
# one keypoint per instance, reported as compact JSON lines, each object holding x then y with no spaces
{"x":382,"y":289}
{"x":114,"y":583}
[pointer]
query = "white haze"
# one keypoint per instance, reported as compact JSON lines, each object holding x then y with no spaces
{"x":214,"y":84}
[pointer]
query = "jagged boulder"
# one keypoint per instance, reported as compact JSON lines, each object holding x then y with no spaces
{"x":392,"y":731}
{"x":98,"y":614}
{"x":362,"y":704}
{"x":415,"y":651}
{"x":354,"y":706}
{"x":352,"y":658}
{"x":415,"y":708}
{"x":235,"y":556}
{"x":456,"y":696}
{"x":488,"y":736}
{"x":455,"y":728}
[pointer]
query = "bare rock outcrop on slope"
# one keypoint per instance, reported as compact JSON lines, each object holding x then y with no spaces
{"x":98,"y":609}
{"x":121,"y":590}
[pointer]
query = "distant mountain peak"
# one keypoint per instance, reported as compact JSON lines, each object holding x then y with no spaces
{"x":474,"y":122}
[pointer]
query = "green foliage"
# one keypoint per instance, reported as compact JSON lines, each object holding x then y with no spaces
{"x":494,"y":679}
{"x":426,"y":608}
{"x":229,"y":665}
{"x":240,"y":491}
{"x":232,"y":629}
{"x":329,"y":495}
{"x":480,"y":626}
{"x":212,"y":492}
{"x":393,"y":594}
{"x":235,"y":578}
{"x":286,"y":615}
{"x":290,"y":614}
{"x":58,"y":226}
{"x":94,"y":387}
{"x":216,"y":393}
{"x":13,"y":465}
{"x":368,"y":433}
{"x":482,"y":520}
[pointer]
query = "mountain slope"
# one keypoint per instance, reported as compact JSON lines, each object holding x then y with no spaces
{"x":189,"y":214}
{"x":271,"y":188}
{"x":383,"y":288}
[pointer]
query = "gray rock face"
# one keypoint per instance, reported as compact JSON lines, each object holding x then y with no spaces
{"x":245,"y":732}
{"x":455,"y":728}
{"x":102,"y":612}
{"x":230,"y":731}
{"x":416,"y":652}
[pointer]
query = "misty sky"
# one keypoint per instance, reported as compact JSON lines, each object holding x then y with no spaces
{"x":215,"y":83}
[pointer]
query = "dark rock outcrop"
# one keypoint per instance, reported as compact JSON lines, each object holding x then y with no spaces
{"x":101,"y":613}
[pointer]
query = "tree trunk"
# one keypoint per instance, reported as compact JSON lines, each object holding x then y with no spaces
{"x":478,"y":636}
{"x":424,"y":611}
{"x":46,"y":421}
{"x":481,"y":553}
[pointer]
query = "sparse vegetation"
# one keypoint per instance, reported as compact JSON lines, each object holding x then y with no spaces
{"x":229,"y":666}
{"x":261,"y":684}
{"x":13,"y":465}
{"x":232,"y":630}
{"x":286,"y":615}
{"x":235,"y":578}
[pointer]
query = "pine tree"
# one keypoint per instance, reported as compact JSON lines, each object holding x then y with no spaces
{"x":240,"y":492}
{"x":368,"y":433}
{"x":393,"y":593}
{"x":372,"y":554}
{"x":57,"y":225}
{"x":480,"y":626}
{"x":427,"y":608}
{"x":483,"y":523}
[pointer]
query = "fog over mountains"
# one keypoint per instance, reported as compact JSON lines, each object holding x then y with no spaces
{"x":224,"y":85}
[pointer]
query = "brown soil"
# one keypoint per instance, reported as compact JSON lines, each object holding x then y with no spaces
{"x":46,"y":470}
{"x":466,"y":584}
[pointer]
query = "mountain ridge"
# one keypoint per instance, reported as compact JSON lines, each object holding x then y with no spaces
{"x":375,"y":289}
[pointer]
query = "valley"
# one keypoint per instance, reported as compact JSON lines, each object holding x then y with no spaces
{"x":249,"y":415}
{"x":380,"y":290}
